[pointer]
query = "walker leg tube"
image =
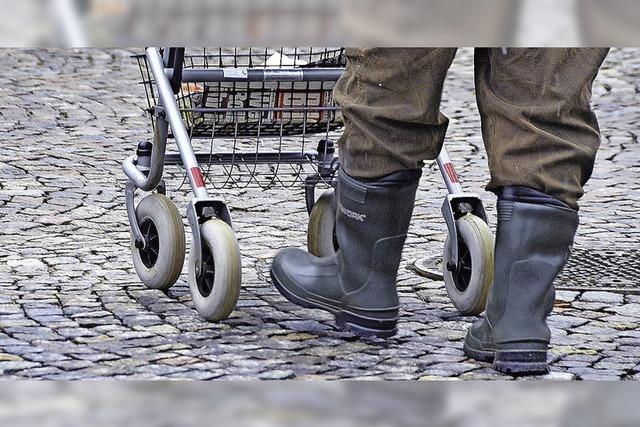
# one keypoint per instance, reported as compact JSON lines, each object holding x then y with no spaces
{"x":448,"y":172}
{"x":174,"y":117}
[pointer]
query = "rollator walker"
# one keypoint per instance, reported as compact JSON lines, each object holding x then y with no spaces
{"x":258,"y":110}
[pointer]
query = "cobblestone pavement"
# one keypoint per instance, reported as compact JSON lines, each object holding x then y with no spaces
{"x":71,"y":305}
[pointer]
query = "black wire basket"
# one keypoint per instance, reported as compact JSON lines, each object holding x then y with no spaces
{"x":260,"y":132}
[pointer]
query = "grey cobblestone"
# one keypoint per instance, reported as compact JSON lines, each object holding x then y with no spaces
{"x":72,"y":307}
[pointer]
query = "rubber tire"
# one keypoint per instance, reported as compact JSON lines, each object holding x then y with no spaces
{"x":322,"y":222}
{"x":222,"y":242}
{"x":171,"y":244}
{"x":480,"y":241}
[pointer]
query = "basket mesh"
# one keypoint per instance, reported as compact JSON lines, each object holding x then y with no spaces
{"x":274,"y":108}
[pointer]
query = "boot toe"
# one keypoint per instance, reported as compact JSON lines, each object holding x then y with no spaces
{"x":478,"y":342}
{"x":307,"y":280}
{"x":287,"y":263}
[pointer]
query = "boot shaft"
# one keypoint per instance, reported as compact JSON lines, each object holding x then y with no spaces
{"x":532,"y":246}
{"x":371,"y":227}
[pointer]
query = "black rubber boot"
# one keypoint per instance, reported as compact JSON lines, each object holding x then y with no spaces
{"x":358,"y":285}
{"x":535,"y":233}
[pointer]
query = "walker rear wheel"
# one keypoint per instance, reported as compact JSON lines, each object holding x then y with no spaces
{"x":321,"y":231}
{"x":469,"y":283}
{"x":216,"y":289}
{"x":160,"y":262}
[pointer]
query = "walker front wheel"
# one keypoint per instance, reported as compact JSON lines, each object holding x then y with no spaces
{"x":160,"y":262}
{"x":469,"y":283}
{"x":216,"y":289}
{"x":321,"y":234}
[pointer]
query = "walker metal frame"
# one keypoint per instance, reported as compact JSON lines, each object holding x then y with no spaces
{"x":167,"y":75}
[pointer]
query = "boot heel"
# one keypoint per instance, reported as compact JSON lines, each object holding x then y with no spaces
{"x":366,"y":327}
{"x":521,"y":362}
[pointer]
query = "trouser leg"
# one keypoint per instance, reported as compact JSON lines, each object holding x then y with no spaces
{"x":537,"y":122}
{"x":390,"y":98}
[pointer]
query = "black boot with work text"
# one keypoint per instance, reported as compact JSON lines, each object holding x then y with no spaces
{"x":358,"y":284}
{"x":534,"y":237}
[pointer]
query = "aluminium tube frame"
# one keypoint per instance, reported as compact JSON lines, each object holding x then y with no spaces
{"x":172,"y":114}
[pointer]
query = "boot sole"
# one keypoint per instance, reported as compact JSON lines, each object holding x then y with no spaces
{"x":357,"y":324}
{"x":474,"y":349}
{"x":479,"y":355}
{"x":520,"y":363}
{"x":516,"y":363}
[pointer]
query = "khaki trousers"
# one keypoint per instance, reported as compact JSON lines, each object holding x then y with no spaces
{"x":535,"y":104}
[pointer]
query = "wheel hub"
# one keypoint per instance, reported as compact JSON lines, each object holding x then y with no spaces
{"x":462,"y":272}
{"x":207,"y":275}
{"x":149,"y":255}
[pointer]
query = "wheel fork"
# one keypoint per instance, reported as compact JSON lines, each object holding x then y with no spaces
{"x":456,"y":204}
{"x":130,"y":195}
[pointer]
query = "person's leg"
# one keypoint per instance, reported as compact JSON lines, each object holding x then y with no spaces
{"x":541,"y":138}
{"x":390,"y":100}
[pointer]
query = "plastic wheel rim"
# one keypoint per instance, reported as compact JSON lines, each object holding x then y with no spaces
{"x":149,"y":255}
{"x":462,"y":273}
{"x":208,"y":274}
